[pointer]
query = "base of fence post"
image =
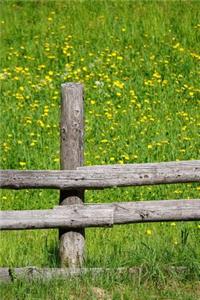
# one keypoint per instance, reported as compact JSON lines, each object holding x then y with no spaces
{"x":71,"y":249}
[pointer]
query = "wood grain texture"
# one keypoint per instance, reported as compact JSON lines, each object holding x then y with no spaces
{"x":71,"y":248}
{"x":71,"y":126}
{"x":97,"y":177}
{"x":97,"y":215}
{"x":31,"y":273}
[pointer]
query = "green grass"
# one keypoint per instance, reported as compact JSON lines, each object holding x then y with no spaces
{"x":107,"y":287}
{"x":139,"y":63}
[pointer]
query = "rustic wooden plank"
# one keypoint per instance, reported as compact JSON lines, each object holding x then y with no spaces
{"x":97,"y":215}
{"x":32,"y":273}
{"x":67,"y":217}
{"x":72,"y":242}
{"x":97,"y":177}
{"x":168,"y":164}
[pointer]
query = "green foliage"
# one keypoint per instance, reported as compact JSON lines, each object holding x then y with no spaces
{"x":139,"y":63}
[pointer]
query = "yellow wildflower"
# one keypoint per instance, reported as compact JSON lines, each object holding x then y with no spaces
{"x":149,"y":232}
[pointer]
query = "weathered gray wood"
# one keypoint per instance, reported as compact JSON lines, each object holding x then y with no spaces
{"x":73,"y":216}
{"x":71,"y":242}
{"x":31,"y":273}
{"x":71,"y":126}
{"x":97,"y":177}
{"x":96,"y":215}
{"x":162,"y":165}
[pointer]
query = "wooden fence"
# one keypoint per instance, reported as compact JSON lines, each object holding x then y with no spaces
{"x":72,"y":215}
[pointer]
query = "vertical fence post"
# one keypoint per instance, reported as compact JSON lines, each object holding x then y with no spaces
{"x":71,"y":241}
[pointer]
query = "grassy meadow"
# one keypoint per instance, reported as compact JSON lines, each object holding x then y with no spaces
{"x":139,"y":62}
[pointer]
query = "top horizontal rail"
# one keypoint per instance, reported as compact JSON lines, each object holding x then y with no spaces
{"x":98,"y":177}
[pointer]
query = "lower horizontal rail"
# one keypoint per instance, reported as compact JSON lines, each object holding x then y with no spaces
{"x":34,"y":273}
{"x":97,"y":215}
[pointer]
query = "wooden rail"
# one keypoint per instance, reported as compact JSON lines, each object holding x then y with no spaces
{"x":97,"y":215}
{"x":97,"y":177}
{"x":34,"y":273}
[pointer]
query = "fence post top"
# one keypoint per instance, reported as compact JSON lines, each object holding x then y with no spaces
{"x":71,"y":85}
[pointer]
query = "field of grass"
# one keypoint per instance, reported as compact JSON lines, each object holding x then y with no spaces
{"x":139,"y":63}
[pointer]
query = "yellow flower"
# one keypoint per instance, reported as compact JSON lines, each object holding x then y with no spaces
{"x":177,"y":191}
{"x":118,"y":84}
{"x":41,"y":67}
{"x":21,"y":88}
{"x":33,"y":143}
{"x":176,"y":46}
{"x":22,"y":163}
{"x":149,"y":232}
{"x":104,"y":141}
{"x":182,"y":150}
{"x":121,"y":162}
{"x":173,"y":224}
{"x":40,"y":123}
{"x":56,"y":159}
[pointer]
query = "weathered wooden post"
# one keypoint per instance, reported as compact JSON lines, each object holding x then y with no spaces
{"x":71,"y":241}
